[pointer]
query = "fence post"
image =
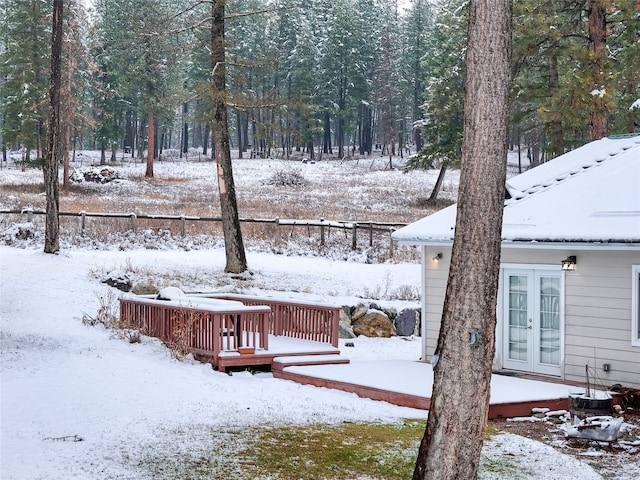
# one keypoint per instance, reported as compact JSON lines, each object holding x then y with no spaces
{"x":370,"y":234}
{"x":391,"y":252}
{"x":29,"y":212}
{"x":321,"y":232}
{"x":133,"y":222}
{"x":354,"y":236}
{"x":182,"y":225}
{"x":83,"y":219}
{"x":277,"y":232}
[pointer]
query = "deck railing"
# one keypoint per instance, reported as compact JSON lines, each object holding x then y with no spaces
{"x":196,"y":327}
{"x":305,"y":320}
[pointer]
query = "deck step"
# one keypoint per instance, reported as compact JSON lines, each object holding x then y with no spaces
{"x":279,"y":363}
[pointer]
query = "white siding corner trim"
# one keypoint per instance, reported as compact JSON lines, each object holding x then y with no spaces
{"x":635,"y":305}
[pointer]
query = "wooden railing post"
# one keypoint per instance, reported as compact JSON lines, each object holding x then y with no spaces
{"x":322,"y":232}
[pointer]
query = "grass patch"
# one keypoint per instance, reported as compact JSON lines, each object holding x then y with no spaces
{"x":349,"y":450}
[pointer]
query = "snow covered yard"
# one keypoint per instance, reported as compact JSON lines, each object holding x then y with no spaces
{"x":77,"y":402}
{"x":135,"y":408}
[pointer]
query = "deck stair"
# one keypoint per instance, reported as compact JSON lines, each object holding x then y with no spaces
{"x":280,"y":363}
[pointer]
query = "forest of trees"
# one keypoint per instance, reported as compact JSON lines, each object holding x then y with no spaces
{"x":312,"y":77}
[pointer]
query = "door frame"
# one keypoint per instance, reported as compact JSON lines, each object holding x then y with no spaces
{"x":501,"y":325}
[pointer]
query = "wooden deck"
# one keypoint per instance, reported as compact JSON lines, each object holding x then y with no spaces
{"x":298,"y":342}
{"x":408,"y":384}
{"x":235,"y":331}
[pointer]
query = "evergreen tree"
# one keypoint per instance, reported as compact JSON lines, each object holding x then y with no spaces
{"x":348,"y":60}
{"x":418,"y":27}
{"x":443,"y":106}
{"x":388,"y":83}
{"x":24,"y":69}
{"x":140,"y":66}
{"x":233,"y":242}
{"x":452,"y":442}
{"x":54,"y":140}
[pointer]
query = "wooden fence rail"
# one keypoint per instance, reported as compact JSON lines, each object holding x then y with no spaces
{"x":324,"y":226}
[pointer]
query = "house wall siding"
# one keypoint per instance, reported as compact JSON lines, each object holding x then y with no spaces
{"x":598,"y":318}
{"x":597,"y":326}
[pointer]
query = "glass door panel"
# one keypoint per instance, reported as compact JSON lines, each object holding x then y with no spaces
{"x":548,"y":334}
{"x":517,"y":310}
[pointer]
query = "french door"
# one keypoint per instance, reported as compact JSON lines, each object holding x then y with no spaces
{"x":532,"y":319}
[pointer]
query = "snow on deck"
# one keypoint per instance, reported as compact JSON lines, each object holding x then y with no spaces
{"x":416,"y":378}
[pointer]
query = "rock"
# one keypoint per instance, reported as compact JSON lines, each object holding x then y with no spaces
{"x":358,"y":312}
{"x":375,"y":306}
{"x":144,"y":289}
{"x":170,"y":293}
{"x":391,"y":312}
{"x":374,"y":324}
{"x":119,"y":280}
{"x":345,"y":330}
{"x":405,"y":322}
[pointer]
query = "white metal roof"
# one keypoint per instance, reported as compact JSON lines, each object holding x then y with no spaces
{"x":589,"y":195}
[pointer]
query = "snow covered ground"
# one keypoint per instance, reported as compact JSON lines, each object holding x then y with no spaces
{"x":64,"y":381}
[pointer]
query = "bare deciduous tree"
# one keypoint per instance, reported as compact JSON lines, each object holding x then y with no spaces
{"x":460,"y":402}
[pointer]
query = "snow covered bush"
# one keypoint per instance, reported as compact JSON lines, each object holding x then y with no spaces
{"x":287,"y":178}
{"x":18,"y":232}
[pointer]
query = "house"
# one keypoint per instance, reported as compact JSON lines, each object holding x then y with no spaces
{"x":569,"y":292}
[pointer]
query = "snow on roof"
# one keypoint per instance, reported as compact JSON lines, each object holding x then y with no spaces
{"x":588,"y":195}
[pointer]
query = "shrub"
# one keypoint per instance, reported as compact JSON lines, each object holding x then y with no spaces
{"x":287,"y":178}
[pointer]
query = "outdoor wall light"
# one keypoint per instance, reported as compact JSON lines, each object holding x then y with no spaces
{"x":437,"y":257}
{"x":569,"y":263}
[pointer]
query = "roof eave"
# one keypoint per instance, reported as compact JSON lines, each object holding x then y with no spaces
{"x":604,"y":244}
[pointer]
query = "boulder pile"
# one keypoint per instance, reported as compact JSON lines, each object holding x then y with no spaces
{"x":372,"y":320}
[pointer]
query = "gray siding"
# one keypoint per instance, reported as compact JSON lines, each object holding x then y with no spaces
{"x":597,"y":326}
{"x":598,"y":318}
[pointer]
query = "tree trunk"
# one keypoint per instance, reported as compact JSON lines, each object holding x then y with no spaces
{"x":54,"y":142}
{"x":151,"y":144}
{"x":103,"y":153}
{"x":239,"y":133}
{"x":185,"y":129}
{"x":557,"y":133}
{"x":205,"y":141}
{"x":597,"y":30}
{"x":326,"y":135}
{"x":438,"y":186}
{"x":233,"y":244}
{"x":460,"y":401}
